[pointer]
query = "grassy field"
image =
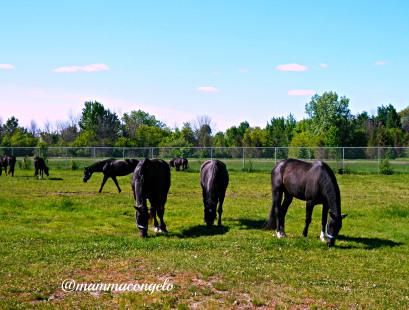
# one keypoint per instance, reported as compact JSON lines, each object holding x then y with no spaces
{"x":60,"y":228}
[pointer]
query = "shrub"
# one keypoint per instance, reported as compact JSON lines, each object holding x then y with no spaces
{"x":74,"y":165}
{"x":385,"y":167}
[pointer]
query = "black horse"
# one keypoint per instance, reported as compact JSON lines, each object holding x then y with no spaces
{"x":314,"y":183}
{"x":40,"y":167}
{"x":214,"y":180}
{"x":178,"y":162}
{"x":111,"y":168}
{"x":7,"y":161}
{"x":151,"y":181}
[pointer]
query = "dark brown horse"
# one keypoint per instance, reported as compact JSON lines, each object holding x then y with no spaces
{"x":314,"y":183}
{"x":214,"y":180}
{"x":8,"y":161}
{"x":111,"y":168}
{"x":179,"y":162}
{"x":40,"y":167}
{"x":151,"y":181}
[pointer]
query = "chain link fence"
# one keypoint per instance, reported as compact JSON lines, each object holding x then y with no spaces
{"x":341,"y":159}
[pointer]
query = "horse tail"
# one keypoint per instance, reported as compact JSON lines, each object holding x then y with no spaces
{"x":275,"y":174}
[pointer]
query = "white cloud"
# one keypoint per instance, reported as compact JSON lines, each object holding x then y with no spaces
{"x":323,"y":66}
{"x":380,"y":62}
{"x":86,"y":68}
{"x":207,"y":89}
{"x":6,"y":67}
{"x":292,"y":67}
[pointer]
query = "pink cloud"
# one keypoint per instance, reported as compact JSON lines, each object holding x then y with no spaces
{"x":291,"y":67}
{"x":301,"y":92}
{"x":87,"y":68}
{"x":380,"y":62}
{"x":323,"y":66}
{"x":207,"y":89}
{"x":6,"y":67}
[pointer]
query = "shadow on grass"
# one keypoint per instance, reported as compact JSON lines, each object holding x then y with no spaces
{"x":245,"y":223}
{"x":202,"y":230}
{"x":369,"y":243}
{"x":55,"y":179}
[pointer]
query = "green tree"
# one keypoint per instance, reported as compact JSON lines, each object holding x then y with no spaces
{"x":330,"y":117}
{"x":135,"y":119}
{"x":101,"y":122}
{"x":388,"y":117}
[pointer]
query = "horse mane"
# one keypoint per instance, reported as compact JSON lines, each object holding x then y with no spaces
{"x":99,"y":164}
{"x":329,"y":174}
{"x":211,"y":181}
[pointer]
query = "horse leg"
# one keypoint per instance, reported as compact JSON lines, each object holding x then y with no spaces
{"x":116,"y":183}
{"x":324,"y":218}
{"x":161,"y":213}
{"x":103,"y":183}
{"x":282,"y":213}
{"x":220,"y":209}
{"x":153,"y":211}
{"x":308,"y":216}
{"x":277,"y":197}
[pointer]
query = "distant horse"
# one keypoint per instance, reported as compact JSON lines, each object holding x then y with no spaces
{"x":8,"y":161}
{"x":151,"y":181}
{"x":178,"y":162}
{"x":214,"y":180}
{"x":111,"y":168}
{"x":314,"y":183}
{"x":40,"y":166}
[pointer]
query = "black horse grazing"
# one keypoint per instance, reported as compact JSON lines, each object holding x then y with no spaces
{"x":178,"y":162}
{"x":214,"y":180}
{"x":111,"y":168}
{"x":151,"y":181}
{"x":40,"y":166}
{"x":7,"y":161}
{"x":314,"y":183}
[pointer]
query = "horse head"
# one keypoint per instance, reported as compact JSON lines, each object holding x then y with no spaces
{"x":87,"y":174}
{"x":333,"y":228}
{"x":210,"y":211}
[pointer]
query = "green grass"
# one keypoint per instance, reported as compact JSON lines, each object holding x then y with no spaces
{"x":55,"y":229}
{"x":351,"y":166}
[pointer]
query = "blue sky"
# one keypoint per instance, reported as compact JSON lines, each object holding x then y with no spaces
{"x":231,"y":60}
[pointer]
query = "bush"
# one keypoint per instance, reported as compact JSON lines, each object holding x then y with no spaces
{"x":74,"y":165}
{"x":385,"y":167}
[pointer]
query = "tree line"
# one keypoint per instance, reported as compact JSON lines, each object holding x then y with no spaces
{"x":329,"y":123}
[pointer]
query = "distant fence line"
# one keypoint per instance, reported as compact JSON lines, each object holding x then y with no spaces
{"x":364,"y":159}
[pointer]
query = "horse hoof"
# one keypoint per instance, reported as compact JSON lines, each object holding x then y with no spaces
{"x":280,"y":234}
{"x":322,"y":237}
{"x":157,"y":229}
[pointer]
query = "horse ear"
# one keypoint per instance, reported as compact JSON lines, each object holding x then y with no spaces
{"x":344,"y":216}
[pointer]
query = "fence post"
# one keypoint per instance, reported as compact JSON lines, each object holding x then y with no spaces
{"x":94,"y":152}
{"x":379,"y":160}
{"x":275,"y":155}
{"x":123,"y":153}
{"x":243,"y":157}
{"x":343,"y":159}
{"x":211,"y":153}
{"x":151,"y":152}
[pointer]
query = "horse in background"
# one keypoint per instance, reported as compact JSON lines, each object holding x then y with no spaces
{"x":214,"y":180}
{"x":111,"y":168}
{"x":314,"y":183}
{"x":8,"y":161}
{"x":40,"y":167}
{"x":151,"y":181}
{"x":179,"y":162}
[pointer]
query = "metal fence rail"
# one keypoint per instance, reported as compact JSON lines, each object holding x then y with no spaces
{"x":342,"y":159}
